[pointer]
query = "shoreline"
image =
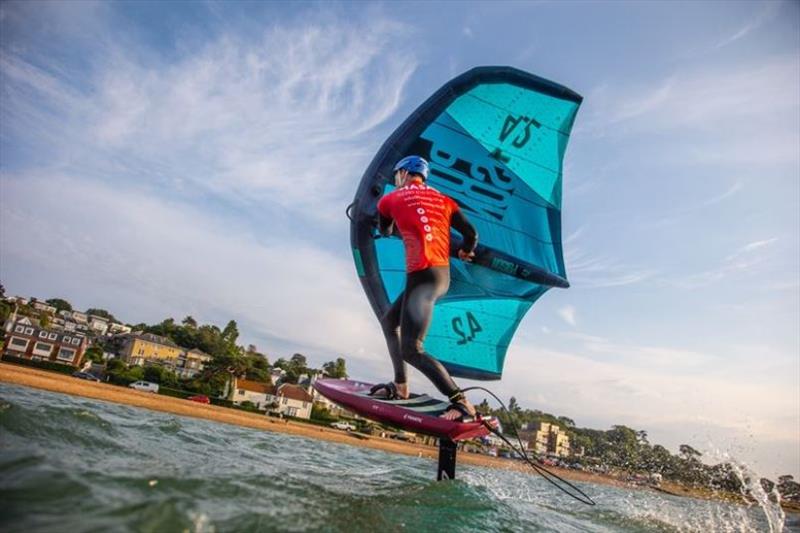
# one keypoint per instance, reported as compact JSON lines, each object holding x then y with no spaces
{"x":65,"y":384}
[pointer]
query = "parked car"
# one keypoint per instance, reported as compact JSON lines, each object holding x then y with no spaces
{"x":343,"y":426}
{"x":199,"y":398}
{"x":145,"y":386}
{"x":401,"y":435}
{"x":85,"y":375}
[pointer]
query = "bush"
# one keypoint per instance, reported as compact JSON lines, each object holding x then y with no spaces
{"x":321,"y":413}
{"x":122,"y":375}
{"x":175,"y":393}
{"x":44,"y":365}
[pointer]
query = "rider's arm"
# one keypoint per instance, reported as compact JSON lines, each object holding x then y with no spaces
{"x":467,"y":230}
{"x":385,"y":225}
{"x":385,"y":220}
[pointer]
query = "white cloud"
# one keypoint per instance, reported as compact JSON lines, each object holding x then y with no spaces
{"x":744,"y":261}
{"x":767,"y":12}
{"x":735,"y":188}
{"x":708,"y":109}
{"x":245,"y":121}
{"x":567,"y":313}
{"x":750,"y":247}
{"x":601,"y":271}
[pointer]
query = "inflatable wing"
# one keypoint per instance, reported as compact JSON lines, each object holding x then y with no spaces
{"x":495,"y":138}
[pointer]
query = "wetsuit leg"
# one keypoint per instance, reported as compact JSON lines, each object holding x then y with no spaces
{"x":423,"y":288}
{"x":390,"y":323}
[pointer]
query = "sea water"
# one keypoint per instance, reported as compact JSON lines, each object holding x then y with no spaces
{"x":71,"y":464}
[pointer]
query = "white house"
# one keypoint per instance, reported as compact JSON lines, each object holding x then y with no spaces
{"x":255,"y":392}
{"x":43,"y":306}
{"x":115,"y":327}
{"x":98,"y":324}
{"x":286,"y":399}
{"x":293,"y":400}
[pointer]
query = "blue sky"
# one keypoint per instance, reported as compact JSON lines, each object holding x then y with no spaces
{"x":173,"y":159}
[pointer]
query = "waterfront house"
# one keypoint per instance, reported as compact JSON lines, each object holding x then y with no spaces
{"x":98,"y":324}
{"x":293,"y":400}
{"x":116,"y":328}
{"x":139,"y":348}
{"x":259,"y":394}
{"x":27,"y":340}
{"x":321,"y":400}
{"x":276,"y":374}
{"x":191,"y":362}
{"x":549,"y":439}
{"x":43,"y":306}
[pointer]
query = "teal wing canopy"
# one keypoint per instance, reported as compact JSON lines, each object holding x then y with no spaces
{"x":495,"y":138}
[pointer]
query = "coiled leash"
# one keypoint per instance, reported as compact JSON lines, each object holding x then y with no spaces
{"x":554,"y":479}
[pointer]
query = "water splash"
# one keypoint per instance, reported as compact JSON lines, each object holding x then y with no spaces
{"x":768,"y":502}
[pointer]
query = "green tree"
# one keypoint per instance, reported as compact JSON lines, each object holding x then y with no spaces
{"x":45,"y":320}
{"x":230,"y":333}
{"x":189,"y":322}
{"x":101,"y":313}
{"x":94,"y":353}
{"x":59,"y":304}
{"x":320,"y":412}
{"x":335,"y":369}
{"x":566,"y":422}
{"x":294,"y":367}
{"x":688,"y":453}
{"x":484,"y":408}
{"x":161,"y":375}
{"x":6,"y":309}
{"x":115,"y":364}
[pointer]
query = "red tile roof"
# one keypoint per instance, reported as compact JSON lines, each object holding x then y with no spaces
{"x":255,"y":386}
{"x":294,"y":392}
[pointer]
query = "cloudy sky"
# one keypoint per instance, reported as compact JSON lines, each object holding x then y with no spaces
{"x":172,"y":159}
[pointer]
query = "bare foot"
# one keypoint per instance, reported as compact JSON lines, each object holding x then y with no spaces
{"x":402,"y":390}
{"x":455,"y":414}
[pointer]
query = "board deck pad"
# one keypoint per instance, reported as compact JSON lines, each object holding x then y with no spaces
{"x":419,"y":413}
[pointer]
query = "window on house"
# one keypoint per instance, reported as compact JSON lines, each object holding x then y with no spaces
{"x":28,"y":331}
{"x":76,"y":341}
{"x":43,"y":347}
{"x":285,"y":401}
{"x":241,"y":392}
{"x":66,"y":354}
{"x":19,"y":329}
{"x":43,"y":334}
{"x":16,"y":342}
{"x":67,"y":340}
{"x":52,"y":336}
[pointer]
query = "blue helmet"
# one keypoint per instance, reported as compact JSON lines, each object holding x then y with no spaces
{"x":414,"y":164}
